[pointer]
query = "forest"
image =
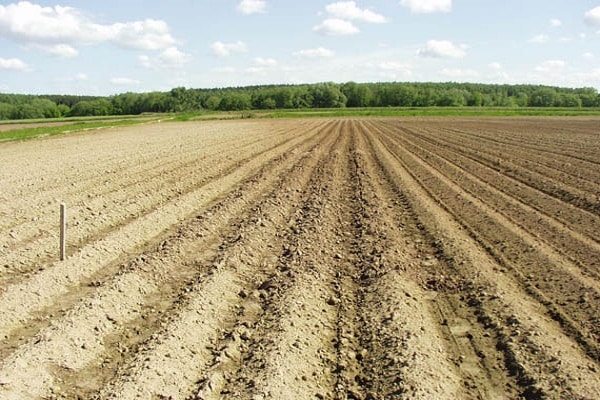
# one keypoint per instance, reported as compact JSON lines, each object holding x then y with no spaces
{"x":319,"y":95}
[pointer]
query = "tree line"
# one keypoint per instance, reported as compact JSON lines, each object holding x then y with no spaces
{"x":320,"y":95}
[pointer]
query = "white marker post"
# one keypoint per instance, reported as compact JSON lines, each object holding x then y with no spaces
{"x":63,"y":231}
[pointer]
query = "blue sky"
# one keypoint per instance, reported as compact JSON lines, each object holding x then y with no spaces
{"x":106,"y":47}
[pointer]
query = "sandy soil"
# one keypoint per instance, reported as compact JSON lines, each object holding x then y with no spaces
{"x":416,"y":258}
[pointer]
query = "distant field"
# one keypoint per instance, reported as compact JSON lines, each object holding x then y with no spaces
{"x":28,"y":129}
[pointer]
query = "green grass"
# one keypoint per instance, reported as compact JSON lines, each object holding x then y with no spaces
{"x":207,"y":115}
{"x":433,"y":111}
{"x":389,"y":112}
{"x":76,"y":119}
{"x":77,"y":126}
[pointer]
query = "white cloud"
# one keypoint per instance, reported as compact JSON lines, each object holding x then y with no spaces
{"x":149,"y":34}
{"x":252,"y":6}
{"x":560,"y":73}
{"x":262,"y":66}
{"x":124,"y":81}
{"x":392,"y":65}
{"x":592,"y":17}
{"x":66,"y":27}
{"x":588,"y":55}
{"x":442,"y":49}
{"x":388,"y":70}
{"x":80,"y":77}
{"x":170,"y":58}
{"x":61,"y":50}
{"x":540,"y":39}
{"x":221,"y":49}
{"x":319,"y":52}
{"x":427,"y":6}
{"x":550,"y":66}
{"x":29,"y":22}
{"x":265,"y":62}
{"x":336,"y":27}
{"x":348,"y":10}
{"x":226,"y":70}
{"x":593,"y":75}
{"x":146,"y":61}
{"x":13,"y":64}
{"x":255,"y":70}
{"x":460,"y":74}
{"x":495,"y":65}
{"x":555,"y":22}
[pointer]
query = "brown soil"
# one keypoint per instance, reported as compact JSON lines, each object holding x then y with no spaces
{"x":14,"y":126}
{"x":432,"y":258}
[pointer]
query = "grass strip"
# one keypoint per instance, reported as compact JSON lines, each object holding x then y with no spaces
{"x":44,"y":131}
{"x":432,"y":111}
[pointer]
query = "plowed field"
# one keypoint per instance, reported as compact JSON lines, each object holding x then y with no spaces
{"x":440,"y":258}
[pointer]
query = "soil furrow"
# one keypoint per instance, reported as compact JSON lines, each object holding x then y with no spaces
{"x":145,"y":276}
{"x":172,"y":361}
{"x":290,"y":349}
{"x":50,"y":283}
{"x":408,"y":315}
{"x":524,"y":156}
{"x":530,"y":339}
{"x":541,"y":136}
{"x":101,"y":219}
{"x":557,"y":209}
{"x":522,"y":254}
{"x":566,"y":192}
{"x":581,"y":250}
{"x":151,"y":157}
{"x":142,"y":170}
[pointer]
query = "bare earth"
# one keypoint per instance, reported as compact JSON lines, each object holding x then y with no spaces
{"x":433,"y":258}
{"x":12,"y":126}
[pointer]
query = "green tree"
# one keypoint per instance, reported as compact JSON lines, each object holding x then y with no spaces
{"x":91,"y":108}
{"x":184,"y":100}
{"x":284,"y":97}
{"x":81,"y":109}
{"x":327,"y":95}
{"x":543,"y":97}
{"x":126,"y":104}
{"x":357,"y":95}
{"x":301,"y":97}
{"x":521,"y":99}
{"x":212,"y":102}
{"x":427,"y":97}
{"x":47,"y":108}
{"x":569,"y":100}
{"x":235,"y":102}
{"x":63,"y":110}
{"x":589,"y":97}
{"x":452,"y":98}
{"x":268,"y":103}
{"x":8,"y":111}
{"x":29,"y":111}
{"x":476,"y":99}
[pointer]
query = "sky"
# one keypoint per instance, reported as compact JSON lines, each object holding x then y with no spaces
{"x":92,"y":47}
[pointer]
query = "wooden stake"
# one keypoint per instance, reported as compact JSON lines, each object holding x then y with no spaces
{"x":63,"y":231}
